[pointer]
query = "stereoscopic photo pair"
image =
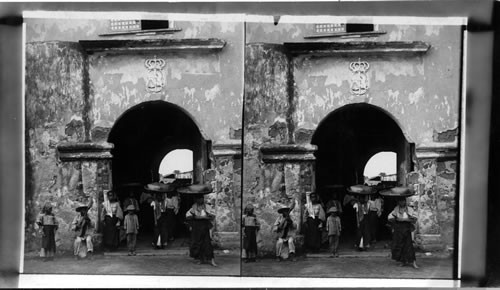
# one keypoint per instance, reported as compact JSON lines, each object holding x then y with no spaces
{"x":283,"y":148}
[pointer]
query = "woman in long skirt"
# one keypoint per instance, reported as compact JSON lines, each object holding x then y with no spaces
{"x":112,"y":215}
{"x":48,"y":225}
{"x":201,"y":243}
{"x":402,"y":219}
{"x":250,"y":226}
{"x":315,"y":217}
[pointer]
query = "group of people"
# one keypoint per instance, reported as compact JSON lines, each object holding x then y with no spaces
{"x":116,"y":226}
{"x":318,"y":224}
{"x":166,"y":206}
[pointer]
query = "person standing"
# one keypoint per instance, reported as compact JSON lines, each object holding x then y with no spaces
{"x":250,"y":226}
{"x":402,"y":219}
{"x":112,"y":215}
{"x":82,"y":226}
{"x":315,"y":218}
{"x":171,"y":210}
{"x":333,"y":228}
{"x":375,"y":205}
{"x":363,"y":227}
{"x":131,"y":226}
{"x":160,"y":221}
{"x":200,"y":220}
{"x":48,"y":226}
{"x":160,"y":215}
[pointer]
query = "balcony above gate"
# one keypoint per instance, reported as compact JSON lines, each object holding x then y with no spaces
{"x":123,"y":46}
{"x":365,"y":47}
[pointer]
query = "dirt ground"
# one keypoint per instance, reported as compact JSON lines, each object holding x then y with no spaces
{"x":176,"y":265}
{"x":350,"y":267}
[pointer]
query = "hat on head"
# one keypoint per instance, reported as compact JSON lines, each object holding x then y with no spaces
{"x":398,"y":192}
{"x":361,"y":189}
{"x":332,"y":209}
{"x":80,"y":206}
{"x":284,"y":209}
{"x":158,"y":187}
{"x":196,"y":189}
{"x":130,"y":208}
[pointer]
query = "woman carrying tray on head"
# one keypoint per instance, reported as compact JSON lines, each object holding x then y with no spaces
{"x":162,"y":213}
{"x":361,"y":206}
{"x":200,"y":221}
{"x":403,"y":219}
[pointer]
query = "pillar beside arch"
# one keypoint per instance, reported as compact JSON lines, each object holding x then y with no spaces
{"x":94,"y":161}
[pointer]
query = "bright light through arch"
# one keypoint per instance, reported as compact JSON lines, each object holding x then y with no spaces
{"x":382,"y":162}
{"x":179,"y":159}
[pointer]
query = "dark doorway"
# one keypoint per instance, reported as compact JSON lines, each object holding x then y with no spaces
{"x":142,"y":137}
{"x":347,"y":138}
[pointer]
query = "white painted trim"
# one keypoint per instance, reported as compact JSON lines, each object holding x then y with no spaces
{"x":130,"y":281}
{"x":123,"y":15}
{"x":240,"y":17}
{"x":410,"y":20}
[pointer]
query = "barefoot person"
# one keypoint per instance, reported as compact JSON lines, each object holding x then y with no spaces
{"x":402,"y":219}
{"x":200,"y":220}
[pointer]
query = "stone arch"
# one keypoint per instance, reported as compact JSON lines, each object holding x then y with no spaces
{"x":348,"y":137}
{"x":145,"y":133}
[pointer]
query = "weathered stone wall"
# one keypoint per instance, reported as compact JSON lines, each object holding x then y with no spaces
{"x":436,"y":202}
{"x":287,"y":97}
{"x":207,"y":85}
{"x":54,"y":107}
{"x":266,"y":112}
{"x":413,"y":89}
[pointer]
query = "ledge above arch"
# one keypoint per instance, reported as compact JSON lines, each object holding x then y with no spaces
{"x":356,"y":47}
{"x":124,"y":46}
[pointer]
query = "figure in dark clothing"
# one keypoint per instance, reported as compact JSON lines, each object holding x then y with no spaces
{"x":250,"y":226}
{"x":201,"y":242}
{"x":402,"y":219}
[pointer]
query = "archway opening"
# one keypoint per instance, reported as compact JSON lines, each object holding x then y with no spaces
{"x":347,"y":139}
{"x":143,"y":137}
{"x":381,"y":168}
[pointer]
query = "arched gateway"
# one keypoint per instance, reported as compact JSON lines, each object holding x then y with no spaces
{"x":142,"y":136}
{"x":346,"y":139}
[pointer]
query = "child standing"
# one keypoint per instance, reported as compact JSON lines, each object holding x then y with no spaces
{"x":333,"y":227}
{"x":250,"y":226}
{"x":48,"y":226}
{"x":131,"y":225}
